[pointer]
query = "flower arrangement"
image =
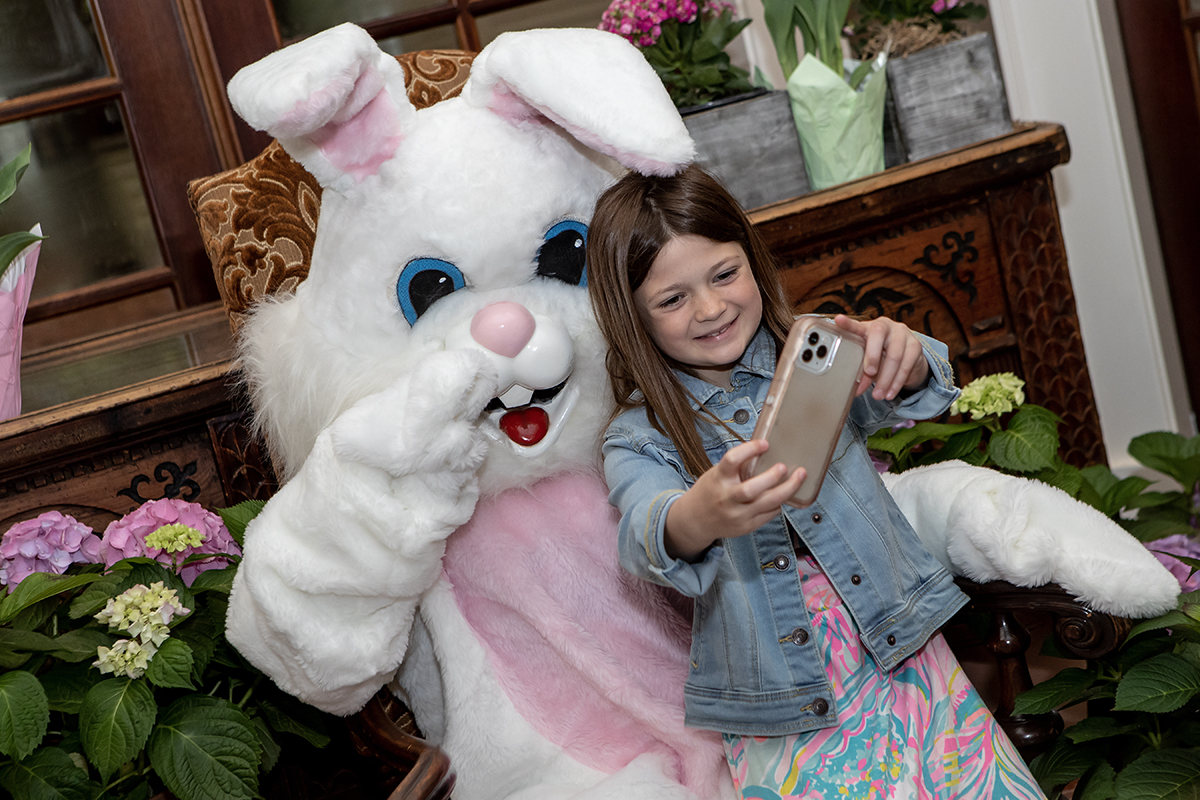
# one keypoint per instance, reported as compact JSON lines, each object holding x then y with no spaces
{"x":908,"y":26}
{"x":684,"y":41}
{"x":115,"y":677}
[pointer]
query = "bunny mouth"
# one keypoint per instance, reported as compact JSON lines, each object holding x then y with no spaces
{"x":534,"y":426}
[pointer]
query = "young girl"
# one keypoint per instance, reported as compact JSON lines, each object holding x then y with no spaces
{"x":814,"y":645}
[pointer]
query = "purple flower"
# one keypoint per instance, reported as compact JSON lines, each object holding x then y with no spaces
{"x":126,"y":537}
{"x":640,"y":21}
{"x":1183,"y":545}
{"x":49,"y":543}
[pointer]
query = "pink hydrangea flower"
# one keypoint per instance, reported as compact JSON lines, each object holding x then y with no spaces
{"x":126,"y":537}
{"x":49,"y":543}
{"x":1183,"y":545}
{"x":942,"y":5}
{"x":640,"y":21}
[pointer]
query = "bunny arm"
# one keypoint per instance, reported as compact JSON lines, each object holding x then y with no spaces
{"x":337,"y":561}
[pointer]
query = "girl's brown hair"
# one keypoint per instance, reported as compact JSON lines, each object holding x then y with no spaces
{"x":634,"y":220}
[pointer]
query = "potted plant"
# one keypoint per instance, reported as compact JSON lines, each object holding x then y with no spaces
{"x":18,"y":261}
{"x":1141,"y":737}
{"x":743,"y":135}
{"x":945,"y":89}
{"x":115,"y":676}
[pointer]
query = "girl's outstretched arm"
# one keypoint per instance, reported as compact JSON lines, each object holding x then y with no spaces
{"x":893,"y":360}
{"x":720,"y":505}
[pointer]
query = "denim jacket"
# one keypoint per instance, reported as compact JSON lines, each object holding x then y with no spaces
{"x":755,"y":670}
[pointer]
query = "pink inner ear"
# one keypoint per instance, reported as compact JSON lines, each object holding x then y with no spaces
{"x":513,"y":108}
{"x":361,"y":144}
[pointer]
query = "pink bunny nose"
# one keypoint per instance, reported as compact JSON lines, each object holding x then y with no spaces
{"x":504,"y":328}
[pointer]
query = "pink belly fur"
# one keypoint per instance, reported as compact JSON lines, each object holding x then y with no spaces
{"x":592,"y":657}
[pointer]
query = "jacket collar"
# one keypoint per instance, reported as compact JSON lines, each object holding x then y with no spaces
{"x":757,"y":362}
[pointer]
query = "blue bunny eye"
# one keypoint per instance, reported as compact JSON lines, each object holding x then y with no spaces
{"x":563,"y":256}
{"x":423,"y":282}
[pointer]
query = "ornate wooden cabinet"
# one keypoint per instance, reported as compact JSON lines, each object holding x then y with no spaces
{"x":965,"y":247}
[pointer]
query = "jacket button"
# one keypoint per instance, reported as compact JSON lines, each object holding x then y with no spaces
{"x":816,"y":518}
{"x":799,"y":636}
{"x":856,"y":579}
{"x":891,"y":640}
{"x":820,"y":706}
{"x":741,"y":416}
{"x":782,"y":562}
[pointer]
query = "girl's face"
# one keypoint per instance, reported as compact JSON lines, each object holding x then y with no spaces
{"x":701,"y":304}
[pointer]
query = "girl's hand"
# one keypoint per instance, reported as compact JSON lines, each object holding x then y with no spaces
{"x":720,"y":505}
{"x":893,"y":360}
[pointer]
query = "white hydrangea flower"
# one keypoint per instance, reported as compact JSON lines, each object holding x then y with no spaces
{"x":990,"y":395}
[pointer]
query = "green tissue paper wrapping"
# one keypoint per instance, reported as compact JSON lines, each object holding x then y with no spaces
{"x":841,"y":130}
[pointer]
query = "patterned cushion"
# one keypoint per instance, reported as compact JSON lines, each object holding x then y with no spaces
{"x":259,"y":220}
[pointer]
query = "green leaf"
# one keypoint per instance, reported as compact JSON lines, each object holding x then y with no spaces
{"x":114,"y":722}
{"x":1030,"y":442}
{"x":1098,"y":784}
{"x":1172,"y":774}
{"x":1061,"y":475}
{"x":94,"y":598}
{"x":205,"y":748}
{"x":236,"y":518}
{"x":24,"y":714}
{"x":201,"y":630}
{"x":1092,"y":728}
{"x":80,"y":644}
{"x":48,"y":774}
{"x":292,"y":716}
{"x":171,"y":667}
{"x":11,"y":245}
{"x":1171,"y":619}
{"x":1170,"y":454}
{"x":10,"y":173}
{"x":1064,"y":689}
{"x":1162,"y":684}
{"x":37,"y":587}
{"x":960,"y":445}
{"x":17,"y":646}
{"x":1062,"y":763}
{"x":1154,"y":529}
{"x":266,"y":741}
{"x":215,"y":580}
{"x":67,"y":685}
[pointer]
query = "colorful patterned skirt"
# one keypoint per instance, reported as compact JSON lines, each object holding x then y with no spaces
{"x":920,"y":731}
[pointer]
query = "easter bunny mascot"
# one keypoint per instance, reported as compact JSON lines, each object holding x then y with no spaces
{"x":434,"y":394}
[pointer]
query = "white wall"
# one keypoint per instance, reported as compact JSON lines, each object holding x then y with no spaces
{"x":1062,"y":62}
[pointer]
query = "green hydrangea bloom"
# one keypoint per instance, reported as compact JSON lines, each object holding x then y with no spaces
{"x":990,"y":395}
{"x":128,"y":657}
{"x":174,"y":538}
{"x":145,"y":612}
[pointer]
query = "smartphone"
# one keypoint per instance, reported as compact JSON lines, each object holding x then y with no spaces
{"x":807,"y":403}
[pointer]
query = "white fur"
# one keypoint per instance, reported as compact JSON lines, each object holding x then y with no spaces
{"x":378,"y":426}
{"x":987,"y":526}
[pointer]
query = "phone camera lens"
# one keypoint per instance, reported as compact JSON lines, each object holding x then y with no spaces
{"x":821,"y":351}
{"x":806,"y":356}
{"x":813,"y":338}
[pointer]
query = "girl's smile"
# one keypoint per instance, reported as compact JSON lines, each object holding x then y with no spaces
{"x":701,"y":304}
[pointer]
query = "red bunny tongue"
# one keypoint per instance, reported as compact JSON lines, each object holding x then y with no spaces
{"x":526,"y":426}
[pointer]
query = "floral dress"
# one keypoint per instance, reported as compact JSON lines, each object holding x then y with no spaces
{"x":920,"y":731}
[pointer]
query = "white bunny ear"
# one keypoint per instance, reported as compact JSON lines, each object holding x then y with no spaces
{"x":336,"y":102}
{"x":593,"y":84}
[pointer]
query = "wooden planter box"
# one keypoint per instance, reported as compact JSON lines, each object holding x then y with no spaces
{"x":947,"y":97}
{"x":752,"y":147}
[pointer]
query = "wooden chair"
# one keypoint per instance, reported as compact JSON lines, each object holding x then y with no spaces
{"x":259,"y":222}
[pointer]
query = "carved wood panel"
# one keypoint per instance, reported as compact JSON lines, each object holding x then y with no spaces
{"x":1034,"y":264}
{"x":101,"y":487}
